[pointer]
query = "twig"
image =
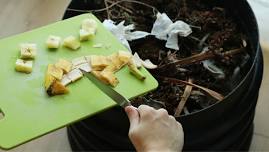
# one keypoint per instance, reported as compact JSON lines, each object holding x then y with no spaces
{"x":122,"y":7}
{"x":201,"y":57}
{"x":212,"y":93}
{"x":184,"y":98}
{"x":112,"y":5}
{"x":107,"y":10}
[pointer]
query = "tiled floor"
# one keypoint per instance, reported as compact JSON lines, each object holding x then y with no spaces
{"x":19,"y":16}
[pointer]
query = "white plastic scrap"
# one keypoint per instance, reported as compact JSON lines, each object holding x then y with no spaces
{"x":165,"y":29}
{"x":124,"y":33}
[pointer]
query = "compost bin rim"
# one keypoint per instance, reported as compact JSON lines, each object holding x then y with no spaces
{"x":258,"y":49}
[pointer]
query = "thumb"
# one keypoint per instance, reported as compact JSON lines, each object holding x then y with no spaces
{"x":133,"y":116}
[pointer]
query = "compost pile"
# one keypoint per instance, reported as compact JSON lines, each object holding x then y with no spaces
{"x":209,"y":64}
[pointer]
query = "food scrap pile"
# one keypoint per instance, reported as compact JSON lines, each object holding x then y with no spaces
{"x":64,"y":72}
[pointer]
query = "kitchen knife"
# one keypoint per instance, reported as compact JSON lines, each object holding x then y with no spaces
{"x":118,"y":98}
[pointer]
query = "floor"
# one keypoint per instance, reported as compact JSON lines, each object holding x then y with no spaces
{"x":20,"y":16}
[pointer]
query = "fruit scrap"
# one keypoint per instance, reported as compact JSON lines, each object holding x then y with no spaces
{"x":65,"y":65}
{"x":55,"y":71}
{"x":53,"y":42}
{"x":52,"y":84}
{"x":89,"y":24}
{"x":99,"y":62}
{"x":135,"y":71}
{"x":65,"y":80}
{"x":78,"y":61}
{"x":88,"y":29}
{"x":71,"y":42}
{"x":28,"y":51}
{"x":74,"y":75}
{"x":139,"y":62}
{"x":24,"y":66}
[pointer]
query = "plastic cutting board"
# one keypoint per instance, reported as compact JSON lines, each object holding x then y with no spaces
{"x":29,"y":111}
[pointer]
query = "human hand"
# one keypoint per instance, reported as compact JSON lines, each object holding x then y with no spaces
{"x":154,"y":130}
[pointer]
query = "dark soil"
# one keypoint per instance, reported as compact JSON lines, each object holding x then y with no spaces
{"x":212,"y":26}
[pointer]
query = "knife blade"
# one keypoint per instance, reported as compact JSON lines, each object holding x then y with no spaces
{"x":114,"y":95}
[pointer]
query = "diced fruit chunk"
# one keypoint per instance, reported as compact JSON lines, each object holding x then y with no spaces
{"x":24,"y":66}
{"x":98,"y":62}
{"x":85,"y":35}
{"x":148,"y":64}
{"x":49,"y":80}
{"x":28,"y":51}
{"x":97,"y":74}
{"x":110,"y":78}
{"x":74,"y":75}
{"x":65,"y":65}
{"x":57,"y":88}
{"x":55,"y":71}
{"x":71,"y":42}
{"x":89,"y":24}
{"x":53,"y":42}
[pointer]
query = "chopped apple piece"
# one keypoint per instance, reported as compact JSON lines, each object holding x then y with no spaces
{"x":28,"y":51}
{"x":74,"y":75}
{"x":110,"y":78}
{"x":53,"y":42}
{"x":24,"y":66}
{"x":55,"y":71}
{"x":98,"y":62}
{"x":89,"y":24}
{"x":71,"y":42}
{"x":134,"y":70}
{"x":57,"y":88}
{"x":65,"y":80}
{"x":65,"y":65}
{"x":85,"y":67}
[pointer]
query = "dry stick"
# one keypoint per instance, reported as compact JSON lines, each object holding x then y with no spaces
{"x":122,"y":7}
{"x":112,"y":5}
{"x":201,"y":57}
{"x":184,"y":98}
{"x":212,"y":93}
{"x":107,"y":10}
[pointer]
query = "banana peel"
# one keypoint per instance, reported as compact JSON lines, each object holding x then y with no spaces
{"x":65,"y":65}
{"x":135,"y":71}
{"x":55,"y":71}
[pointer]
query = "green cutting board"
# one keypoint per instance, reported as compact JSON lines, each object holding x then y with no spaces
{"x":29,"y":111}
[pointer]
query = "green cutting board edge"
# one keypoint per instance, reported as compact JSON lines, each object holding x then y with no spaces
{"x":29,"y":112}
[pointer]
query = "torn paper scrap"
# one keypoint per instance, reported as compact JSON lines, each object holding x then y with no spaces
{"x":124,"y":33}
{"x":165,"y":29}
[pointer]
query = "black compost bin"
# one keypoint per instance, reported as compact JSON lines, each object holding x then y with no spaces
{"x":227,"y":125}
